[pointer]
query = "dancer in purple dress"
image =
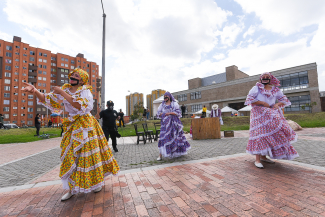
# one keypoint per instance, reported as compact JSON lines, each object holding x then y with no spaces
{"x":216,"y":112}
{"x":269,"y":133}
{"x":172,"y":142}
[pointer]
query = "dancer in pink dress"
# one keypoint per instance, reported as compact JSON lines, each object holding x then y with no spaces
{"x":269,"y":133}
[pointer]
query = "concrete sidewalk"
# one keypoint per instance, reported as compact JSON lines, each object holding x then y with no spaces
{"x":224,"y":186}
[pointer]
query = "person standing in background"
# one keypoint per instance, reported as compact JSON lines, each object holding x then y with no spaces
{"x":183,"y":108}
{"x":1,"y":121}
{"x":144,"y":115}
{"x":121,"y":115}
{"x":204,"y":111}
{"x":37,"y":124}
{"x":148,"y":113}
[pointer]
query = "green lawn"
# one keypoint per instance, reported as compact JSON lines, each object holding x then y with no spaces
{"x":230,"y":123}
{"x":25,"y":134}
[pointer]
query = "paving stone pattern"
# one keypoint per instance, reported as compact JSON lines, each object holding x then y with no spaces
{"x":27,"y":169}
{"x":225,"y":187}
{"x":132,"y":156}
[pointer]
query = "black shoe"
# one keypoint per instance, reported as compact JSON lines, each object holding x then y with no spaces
{"x":115,"y":149}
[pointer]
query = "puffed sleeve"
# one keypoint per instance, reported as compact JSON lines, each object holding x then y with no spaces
{"x":176,"y":109}
{"x":282,"y":98}
{"x":85,"y":99}
{"x":52,"y":102}
{"x":160,"y":110}
{"x":251,"y":97}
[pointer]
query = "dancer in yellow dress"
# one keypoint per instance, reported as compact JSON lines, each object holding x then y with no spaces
{"x":85,"y":155}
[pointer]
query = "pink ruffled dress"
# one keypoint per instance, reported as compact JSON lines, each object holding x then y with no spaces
{"x":269,"y":133}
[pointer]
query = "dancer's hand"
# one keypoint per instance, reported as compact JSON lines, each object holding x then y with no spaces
{"x":28,"y":88}
{"x":167,"y":114}
{"x":276,"y":106}
{"x":57,"y":90}
{"x":265,"y":104}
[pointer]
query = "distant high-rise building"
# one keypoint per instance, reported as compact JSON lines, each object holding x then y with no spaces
{"x":155,"y":94}
{"x":132,"y":100}
{"x":20,"y":62}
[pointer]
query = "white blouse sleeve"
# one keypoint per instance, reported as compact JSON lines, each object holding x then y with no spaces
{"x":85,"y":100}
{"x":252,"y":96}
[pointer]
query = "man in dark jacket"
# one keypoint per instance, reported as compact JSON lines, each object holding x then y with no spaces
{"x":121,"y":115}
{"x":109,"y":117}
{"x":183,"y":108}
{"x":37,"y":124}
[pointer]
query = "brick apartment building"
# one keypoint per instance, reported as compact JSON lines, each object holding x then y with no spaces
{"x":299,"y":84}
{"x":132,"y":100}
{"x":155,"y":94}
{"x":20,"y":62}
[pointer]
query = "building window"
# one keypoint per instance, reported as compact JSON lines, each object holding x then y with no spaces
{"x":31,"y":52}
{"x":22,"y":108}
{"x":17,"y":60}
{"x":29,"y":115}
{"x":66,"y":76}
{"x":23,"y":94}
{"x":66,"y":59}
{"x":182,"y":97}
{"x":7,"y":88}
{"x":24,"y":74}
{"x":72,"y":67}
{"x":25,"y":55}
{"x":8,"y":54}
{"x":39,"y":72}
{"x":53,"y":58}
{"x":14,"y":115}
{"x":44,"y":85}
{"x":66,"y":65}
{"x":44,"y":72}
{"x":8,"y":61}
{"x":44,"y":61}
{"x":29,"y":122}
{"x":30,"y":96}
{"x":30,"y":102}
{"x":62,"y":81}
{"x":8,"y":68}
{"x":72,"y":61}
{"x":14,"y":107}
{"x":16,"y":80}
{"x":40,"y":78}
{"x":17,"y":53}
{"x":25,"y":48}
{"x":31,"y":59}
{"x":7,"y":95}
{"x":6,"y":102}
{"x":7,"y":81}
{"x":30,"y":109}
{"x":40,"y":54}
{"x":24,"y":67}
{"x":16,"y":87}
{"x":24,"y":61}
{"x":294,"y":81}
{"x":196,"y":95}
{"x":17,"y":46}
{"x":53,"y":75}
{"x":297,"y":102}
{"x":7,"y":74}
{"x":23,"y":100}
{"x":40,"y":60}
{"x":15,"y":100}
{"x":8,"y":47}
{"x":16,"y":67}
{"x":62,"y":75}
{"x":62,"y":64}
{"x":16,"y":94}
{"x":44,"y":66}
{"x":45,"y":55}
{"x":40,"y":66}
{"x":6,"y":109}
{"x":67,"y":71}
{"x":196,"y":107}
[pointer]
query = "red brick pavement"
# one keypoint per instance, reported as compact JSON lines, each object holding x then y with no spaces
{"x":224,"y":187}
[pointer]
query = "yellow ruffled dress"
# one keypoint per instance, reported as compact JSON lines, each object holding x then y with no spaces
{"x":85,"y":155}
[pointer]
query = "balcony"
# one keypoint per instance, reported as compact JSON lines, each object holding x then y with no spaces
{"x":98,"y":84}
{"x":98,"y":89}
{"x":98,"y":80}
{"x":32,"y":73}
{"x":32,"y":67}
{"x":33,"y":80}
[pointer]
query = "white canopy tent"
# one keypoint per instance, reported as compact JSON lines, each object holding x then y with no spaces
{"x":227,"y":111}
{"x":246,"y":110}
{"x":156,"y":103}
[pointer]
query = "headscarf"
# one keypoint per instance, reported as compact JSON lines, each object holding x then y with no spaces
{"x":84,"y":77}
{"x":273,"y":80}
{"x":171,"y":97}
{"x":83,"y":74}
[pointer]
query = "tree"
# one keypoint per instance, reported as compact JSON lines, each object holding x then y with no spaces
{"x":307,"y":105}
{"x":137,"y":111}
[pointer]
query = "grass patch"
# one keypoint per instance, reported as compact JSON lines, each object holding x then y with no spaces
{"x":22,"y":135}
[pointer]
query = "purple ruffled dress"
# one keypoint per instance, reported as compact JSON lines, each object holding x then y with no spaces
{"x":172,"y":142}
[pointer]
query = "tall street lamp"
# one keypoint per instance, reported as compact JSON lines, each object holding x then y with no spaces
{"x":103,"y":61}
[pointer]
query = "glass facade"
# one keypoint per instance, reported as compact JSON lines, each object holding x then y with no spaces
{"x":196,"y":95}
{"x":182,"y":97}
{"x":294,"y":81}
{"x":196,"y":107}
{"x":297,"y":102}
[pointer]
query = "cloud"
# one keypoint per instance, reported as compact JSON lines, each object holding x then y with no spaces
{"x":285,"y":17}
{"x":251,"y":30}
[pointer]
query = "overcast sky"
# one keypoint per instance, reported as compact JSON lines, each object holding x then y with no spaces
{"x":155,"y":44}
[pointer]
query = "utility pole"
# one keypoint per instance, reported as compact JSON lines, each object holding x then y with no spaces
{"x":103,"y":62}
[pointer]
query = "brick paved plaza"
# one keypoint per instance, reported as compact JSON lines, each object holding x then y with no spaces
{"x":216,"y":178}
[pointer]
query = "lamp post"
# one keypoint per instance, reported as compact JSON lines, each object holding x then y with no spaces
{"x":103,"y":61}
